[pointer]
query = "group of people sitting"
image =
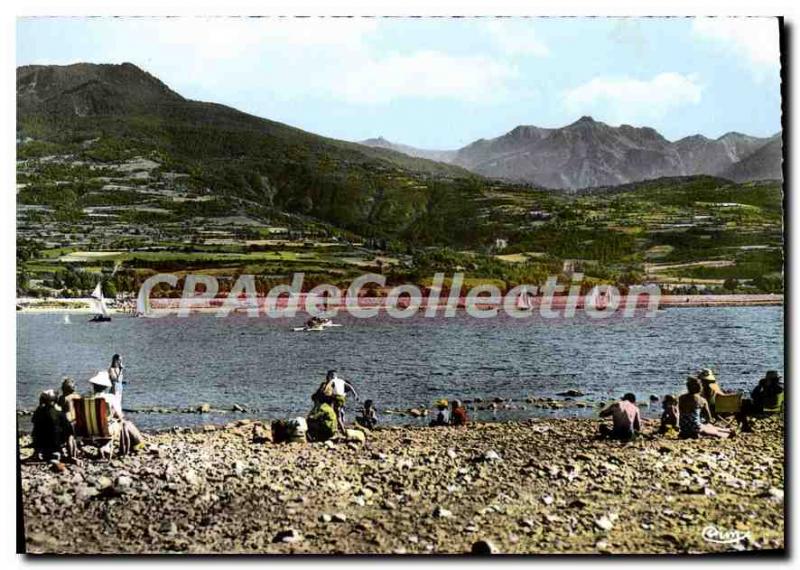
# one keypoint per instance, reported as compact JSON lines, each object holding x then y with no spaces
{"x":327,"y":417}
{"x":693,"y":413}
{"x":58,"y":427}
{"x":455,"y":416}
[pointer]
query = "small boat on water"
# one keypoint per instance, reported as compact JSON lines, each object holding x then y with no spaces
{"x":101,"y":314}
{"x":316,"y":324}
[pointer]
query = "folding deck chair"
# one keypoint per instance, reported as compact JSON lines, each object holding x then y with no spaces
{"x":727,"y":406}
{"x":92,"y":426}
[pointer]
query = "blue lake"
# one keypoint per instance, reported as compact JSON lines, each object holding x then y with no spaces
{"x":261,"y":364}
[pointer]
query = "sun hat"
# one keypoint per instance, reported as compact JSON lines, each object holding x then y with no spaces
{"x":101,"y":379}
{"x":442,"y":403}
{"x":772,"y":375}
{"x":706,"y":375}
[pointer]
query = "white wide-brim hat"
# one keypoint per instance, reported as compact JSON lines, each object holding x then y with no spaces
{"x":101,"y":379}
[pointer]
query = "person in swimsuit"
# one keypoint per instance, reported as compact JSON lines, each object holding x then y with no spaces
{"x":692,"y":410}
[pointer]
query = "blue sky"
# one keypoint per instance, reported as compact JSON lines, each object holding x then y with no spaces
{"x":442,"y":83}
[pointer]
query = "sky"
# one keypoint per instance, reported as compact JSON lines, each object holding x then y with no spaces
{"x":441,"y":83}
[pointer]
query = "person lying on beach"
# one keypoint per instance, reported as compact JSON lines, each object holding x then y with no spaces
{"x":692,"y":410}
{"x":458,"y":414}
{"x":669,"y":415}
{"x":368,"y":417}
{"x":51,"y":430}
{"x":626,"y":421}
{"x":442,"y":417}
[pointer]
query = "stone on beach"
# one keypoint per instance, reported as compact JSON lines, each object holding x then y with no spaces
{"x":553,"y":490}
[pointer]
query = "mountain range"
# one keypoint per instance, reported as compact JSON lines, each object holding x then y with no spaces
{"x":590,"y":153}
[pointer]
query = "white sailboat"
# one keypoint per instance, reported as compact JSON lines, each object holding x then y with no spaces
{"x":142,"y":303}
{"x":595,"y":300}
{"x":99,"y":306}
{"x":524,"y":302}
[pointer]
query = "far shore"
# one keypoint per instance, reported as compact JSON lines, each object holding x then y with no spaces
{"x":82,"y":306}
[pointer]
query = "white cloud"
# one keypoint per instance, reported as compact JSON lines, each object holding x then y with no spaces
{"x":516,"y":37}
{"x":423,"y":74}
{"x":223,"y":38}
{"x":628,"y":100}
{"x":755,"y":39}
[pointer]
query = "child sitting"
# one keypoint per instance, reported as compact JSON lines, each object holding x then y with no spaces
{"x":368,"y":417}
{"x":669,"y":417}
{"x":442,"y":417}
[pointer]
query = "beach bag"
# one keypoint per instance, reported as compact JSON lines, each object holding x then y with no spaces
{"x":296,"y":429}
{"x":321,"y":423}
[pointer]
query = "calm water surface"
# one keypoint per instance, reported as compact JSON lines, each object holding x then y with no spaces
{"x":261,"y":364}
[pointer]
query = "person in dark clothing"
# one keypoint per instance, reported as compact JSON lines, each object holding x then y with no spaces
{"x":766,"y":395}
{"x":368,"y":417}
{"x":51,"y":429}
{"x":764,"y":398}
{"x":458,"y":414}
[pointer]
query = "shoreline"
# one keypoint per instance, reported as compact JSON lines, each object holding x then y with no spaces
{"x":666,"y":302}
{"x":535,"y":486}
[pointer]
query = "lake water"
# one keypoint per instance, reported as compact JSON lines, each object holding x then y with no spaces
{"x":261,"y":364}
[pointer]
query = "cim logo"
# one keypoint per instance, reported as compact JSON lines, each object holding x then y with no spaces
{"x":721,"y":536}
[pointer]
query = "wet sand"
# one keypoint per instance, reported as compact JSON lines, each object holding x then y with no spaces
{"x":539,"y":486}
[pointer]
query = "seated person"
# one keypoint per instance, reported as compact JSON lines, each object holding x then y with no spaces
{"x":692,"y":409}
{"x":669,"y":415}
{"x":68,"y":395}
{"x":442,"y":417}
{"x":710,"y":387}
{"x":458,"y":414}
{"x":122,"y":430}
{"x":626,"y":421}
{"x":51,"y":429}
{"x":321,"y":422}
{"x":368,"y":417}
{"x":765,"y":396}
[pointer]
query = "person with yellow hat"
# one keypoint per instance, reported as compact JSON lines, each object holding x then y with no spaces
{"x":710,"y":387}
{"x":442,"y":414}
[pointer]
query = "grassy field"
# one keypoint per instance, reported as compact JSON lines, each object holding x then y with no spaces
{"x":127,"y":219}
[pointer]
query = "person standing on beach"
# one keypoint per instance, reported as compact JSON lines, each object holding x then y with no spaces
{"x":626,"y":421}
{"x":338,"y":388}
{"x":115,"y":375}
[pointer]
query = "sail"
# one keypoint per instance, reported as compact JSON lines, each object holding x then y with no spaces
{"x":142,"y":302}
{"x":98,"y":292}
{"x":591,"y":300}
{"x":99,"y":303}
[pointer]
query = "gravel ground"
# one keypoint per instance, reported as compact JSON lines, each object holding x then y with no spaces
{"x":540,"y":486}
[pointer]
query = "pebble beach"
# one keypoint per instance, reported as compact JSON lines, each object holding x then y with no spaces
{"x":531,"y":487}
